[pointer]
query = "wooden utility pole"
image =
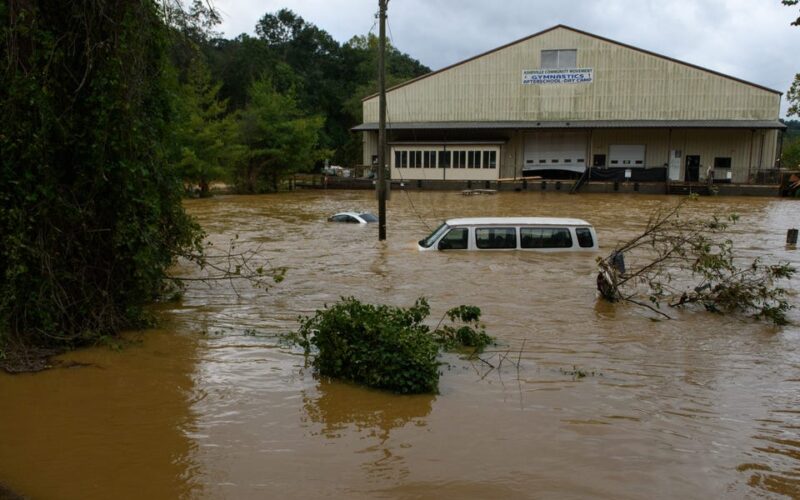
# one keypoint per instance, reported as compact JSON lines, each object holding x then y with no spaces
{"x":382,"y":4}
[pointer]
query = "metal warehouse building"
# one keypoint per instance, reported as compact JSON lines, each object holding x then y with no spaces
{"x":564,"y":102}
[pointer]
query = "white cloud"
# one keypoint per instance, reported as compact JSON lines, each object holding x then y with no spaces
{"x":742,"y":38}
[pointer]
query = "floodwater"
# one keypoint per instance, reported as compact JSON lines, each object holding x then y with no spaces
{"x":212,"y":405}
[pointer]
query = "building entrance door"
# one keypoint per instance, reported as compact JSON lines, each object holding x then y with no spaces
{"x":692,"y":169}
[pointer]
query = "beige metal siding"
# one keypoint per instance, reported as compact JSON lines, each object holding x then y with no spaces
{"x":743,"y":147}
{"x":370,"y":146}
{"x":628,"y":85}
{"x":656,"y":142}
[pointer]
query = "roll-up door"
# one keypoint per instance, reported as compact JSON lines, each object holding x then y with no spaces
{"x":555,"y":151}
{"x":626,"y":156}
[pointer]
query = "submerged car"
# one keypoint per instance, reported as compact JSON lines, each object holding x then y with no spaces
{"x":353,"y":217}
{"x":542,"y":234}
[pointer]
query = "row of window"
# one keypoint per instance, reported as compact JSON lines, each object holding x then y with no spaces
{"x":446,"y":159}
{"x":495,"y":238}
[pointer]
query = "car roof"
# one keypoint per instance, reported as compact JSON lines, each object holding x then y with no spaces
{"x":517,"y":221}
{"x":352,"y":214}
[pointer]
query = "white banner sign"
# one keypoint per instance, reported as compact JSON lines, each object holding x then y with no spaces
{"x":544,"y":76}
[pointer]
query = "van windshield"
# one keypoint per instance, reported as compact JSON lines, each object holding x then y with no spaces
{"x":427,"y":242}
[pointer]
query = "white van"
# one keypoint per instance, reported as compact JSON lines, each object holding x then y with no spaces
{"x":540,"y":234}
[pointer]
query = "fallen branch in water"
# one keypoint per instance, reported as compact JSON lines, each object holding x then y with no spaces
{"x":681,"y":261}
{"x":235,"y":266}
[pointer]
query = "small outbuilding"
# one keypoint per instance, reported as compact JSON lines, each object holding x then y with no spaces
{"x":564,"y":102}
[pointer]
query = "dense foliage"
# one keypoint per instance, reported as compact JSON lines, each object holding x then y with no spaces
{"x":793,"y":95}
{"x":324,"y":80}
{"x":90,"y":212}
{"x":108,"y":105}
{"x":277,"y":136}
{"x":378,"y":346}
{"x":387,"y":347}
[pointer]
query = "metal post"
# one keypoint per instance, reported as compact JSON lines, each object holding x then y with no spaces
{"x":791,"y":237}
{"x":382,"y":4}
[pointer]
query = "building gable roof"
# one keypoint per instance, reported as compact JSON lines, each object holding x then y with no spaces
{"x":585,"y":33}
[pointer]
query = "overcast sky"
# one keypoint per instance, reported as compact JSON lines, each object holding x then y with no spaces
{"x":748,"y":39}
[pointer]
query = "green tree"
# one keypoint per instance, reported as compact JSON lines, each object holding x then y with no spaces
{"x":207,"y":135}
{"x":90,"y":211}
{"x":790,"y":158}
{"x":793,"y":96}
{"x":280,"y":138}
{"x":361,"y":54}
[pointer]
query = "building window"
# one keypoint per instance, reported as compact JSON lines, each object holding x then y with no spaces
{"x":430,"y":159}
{"x":724,"y":162}
{"x":490,"y":159}
{"x":559,"y":59}
{"x":444,"y":159}
{"x":474,"y":159}
{"x":415,"y":159}
{"x":459,"y":159}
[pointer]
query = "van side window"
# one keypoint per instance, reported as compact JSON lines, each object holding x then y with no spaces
{"x":584,"y":235}
{"x":496,"y":237}
{"x":545,"y":237}
{"x":456,"y":239}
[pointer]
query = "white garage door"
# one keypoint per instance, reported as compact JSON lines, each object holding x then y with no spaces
{"x":626,"y":156}
{"x":555,"y":151}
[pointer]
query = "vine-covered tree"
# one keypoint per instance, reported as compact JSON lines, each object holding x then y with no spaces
{"x":90,"y":210}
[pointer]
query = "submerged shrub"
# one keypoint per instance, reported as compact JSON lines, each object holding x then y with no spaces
{"x":380,"y":346}
{"x":387,"y":347}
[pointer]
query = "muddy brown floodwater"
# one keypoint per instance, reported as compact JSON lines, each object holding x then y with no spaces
{"x":210,"y":405}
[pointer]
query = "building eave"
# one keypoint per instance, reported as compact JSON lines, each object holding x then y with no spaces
{"x":580,"y":124}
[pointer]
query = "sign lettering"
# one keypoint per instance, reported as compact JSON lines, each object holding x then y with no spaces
{"x":547,"y":76}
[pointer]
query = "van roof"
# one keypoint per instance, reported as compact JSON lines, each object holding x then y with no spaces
{"x":517,"y":221}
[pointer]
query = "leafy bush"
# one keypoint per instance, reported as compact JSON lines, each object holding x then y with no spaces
{"x":386,"y":347}
{"x":380,"y":346}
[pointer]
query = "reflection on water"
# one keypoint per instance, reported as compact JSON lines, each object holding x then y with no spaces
{"x":343,"y":408}
{"x":337,"y":406}
{"x":697,"y":407}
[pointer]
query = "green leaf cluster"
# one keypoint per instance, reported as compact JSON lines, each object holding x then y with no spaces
{"x":471,"y":335}
{"x":387,"y":347}
{"x":379,"y":346}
